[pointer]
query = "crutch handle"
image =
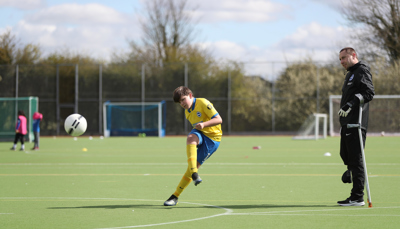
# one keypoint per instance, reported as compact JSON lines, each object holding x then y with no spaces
{"x":353,"y":126}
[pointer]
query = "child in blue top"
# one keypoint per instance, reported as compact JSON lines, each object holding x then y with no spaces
{"x":37,"y":117}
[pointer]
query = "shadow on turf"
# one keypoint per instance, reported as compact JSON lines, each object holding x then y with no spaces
{"x":260,"y":206}
{"x":110,"y":206}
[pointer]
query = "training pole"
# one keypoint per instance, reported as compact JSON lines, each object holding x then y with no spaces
{"x":363,"y":157}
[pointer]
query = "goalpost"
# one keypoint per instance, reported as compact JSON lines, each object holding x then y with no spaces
{"x":9,"y":108}
{"x":314,"y":128}
{"x":384,"y":115}
{"x":134,"y":119}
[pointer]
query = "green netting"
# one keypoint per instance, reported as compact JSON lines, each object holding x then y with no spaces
{"x":9,"y":108}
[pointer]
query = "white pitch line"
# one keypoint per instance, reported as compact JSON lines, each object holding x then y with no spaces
{"x":227,"y":210}
{"x":6,"y":213}
{"x":229,"y":213}
{"x":208,"y":164}
{"x":173,"y":222}
{"x":319,"y":215}
{"x":318,"y":210}
{"x":93,"y":164}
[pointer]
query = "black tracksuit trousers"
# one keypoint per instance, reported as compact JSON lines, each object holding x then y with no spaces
{"x":350,"y":152}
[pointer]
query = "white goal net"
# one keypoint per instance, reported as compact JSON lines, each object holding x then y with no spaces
{"x":314,"y":128}
{"x":384,"y":115}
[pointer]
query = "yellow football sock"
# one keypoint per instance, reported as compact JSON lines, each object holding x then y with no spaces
{"x":185,"y":181}
{"x":191,"y":151}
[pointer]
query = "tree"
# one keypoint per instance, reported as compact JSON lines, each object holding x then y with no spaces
{"x":297,"y":88}
{"x":7,"y":48}
{"x":382,"y":21}
{"x":386,"y":77}
{"x":13,"y":52}
{"x":168,"y":31}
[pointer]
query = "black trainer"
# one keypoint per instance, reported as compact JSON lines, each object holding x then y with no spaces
{"x":350,"y":202}
{"x":172,"y":201}
{"x":346,"y":177}
{"x":196,"y":179}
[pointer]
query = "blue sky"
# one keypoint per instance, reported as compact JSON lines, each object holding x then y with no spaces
{"x":240,"y":30}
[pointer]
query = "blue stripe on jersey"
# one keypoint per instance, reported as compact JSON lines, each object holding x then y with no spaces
{"x":193,"y":105}
{"x":214,"y":115}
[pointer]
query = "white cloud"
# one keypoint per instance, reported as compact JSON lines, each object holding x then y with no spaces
{"x":264,"y":62}
{"x":311,"y":36}
{"x":240,"y":11}
{"x":23,"y":4}
{"x":314,"y":40}
{"x":225,"y":50}
{"x":97,"y":29}
{"x":336,"y":4}
{"x":78,"y":14}
{"x":90,"y":29}
{"x":309,"y":41}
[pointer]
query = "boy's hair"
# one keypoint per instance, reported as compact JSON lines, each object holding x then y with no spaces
{"x":181,"y":91}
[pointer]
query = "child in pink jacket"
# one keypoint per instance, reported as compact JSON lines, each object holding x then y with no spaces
{"x":20,"y":130}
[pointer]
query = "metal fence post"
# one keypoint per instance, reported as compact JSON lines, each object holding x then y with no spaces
{"x":273,"y":100}
{"x":16,"y":80}
{"x":229,"y":102}
{"x":317,"y":89}
{"x":16,"y":92}
{"x":185,"y":123}
{"x":100,"y":98}
{"x":143,"y":95}
{"x":76,"y":89}
{"x":58,"y":98}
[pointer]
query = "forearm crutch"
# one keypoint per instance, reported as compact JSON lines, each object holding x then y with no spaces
{"x":362,"y":151}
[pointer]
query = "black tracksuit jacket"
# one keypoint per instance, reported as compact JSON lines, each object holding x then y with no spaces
{"x":358,"y":81}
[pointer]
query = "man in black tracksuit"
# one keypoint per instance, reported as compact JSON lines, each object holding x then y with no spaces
{"x":357,"y":88}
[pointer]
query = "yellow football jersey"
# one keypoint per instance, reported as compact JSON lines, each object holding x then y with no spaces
{"x":203,"y":110}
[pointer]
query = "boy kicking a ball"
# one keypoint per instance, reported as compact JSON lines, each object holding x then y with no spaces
{"x":202,"y":141}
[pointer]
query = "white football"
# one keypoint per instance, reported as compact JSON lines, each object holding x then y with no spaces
{"x":75,"y":125}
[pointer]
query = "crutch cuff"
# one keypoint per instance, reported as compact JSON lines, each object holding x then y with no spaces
{"x":360,"y":99}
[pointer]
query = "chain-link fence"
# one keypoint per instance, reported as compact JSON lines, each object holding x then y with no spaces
{"x":246,"y":96}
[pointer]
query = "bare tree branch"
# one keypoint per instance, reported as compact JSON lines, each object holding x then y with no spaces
{"x":168,"y":28}
{"x":381,"y":20}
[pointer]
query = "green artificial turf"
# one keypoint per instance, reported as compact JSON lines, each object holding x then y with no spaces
{"x":123,"y":182}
